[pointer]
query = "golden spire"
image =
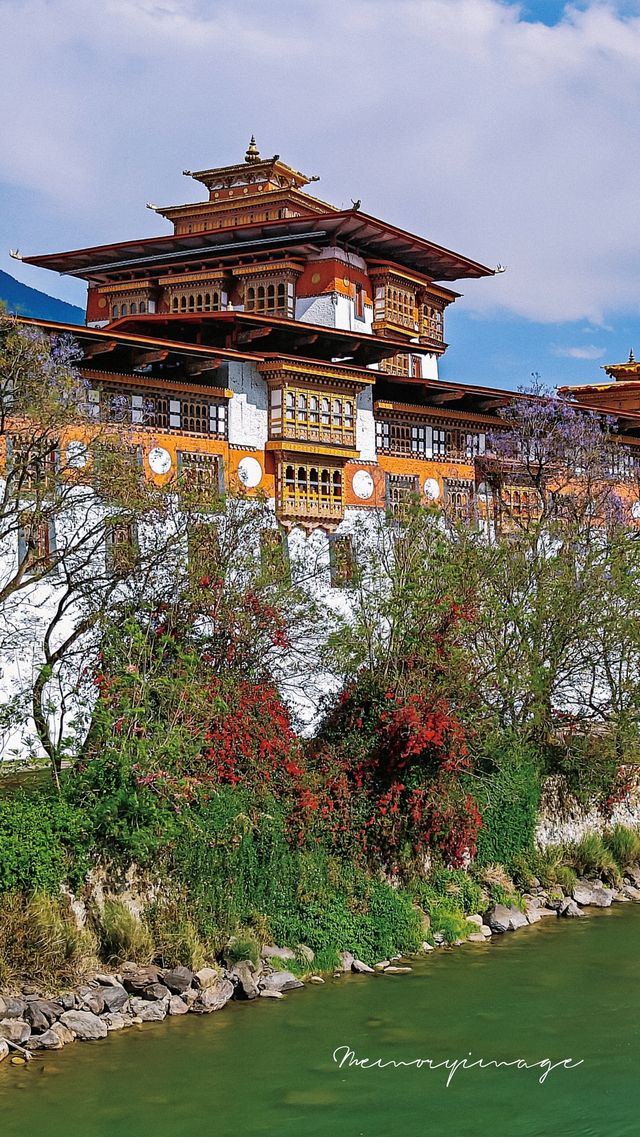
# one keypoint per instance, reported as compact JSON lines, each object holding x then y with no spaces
{"x":632,"y":357}
{"x":252,"y":154}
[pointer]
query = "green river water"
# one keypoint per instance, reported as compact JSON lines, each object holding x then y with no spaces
{"x":561,"y":989}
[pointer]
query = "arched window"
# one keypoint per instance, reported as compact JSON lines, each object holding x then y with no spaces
{"x":337,"y":412}
{"x":291,"y":406}
{"x":271,"y":297}
{"x":337,"y":484}
{"x":192,"y":302}
{"x":313,"y":481}
{"x":348,"y":416}
{"x":314,"y":410}
{"x":302,"y":479}
{"x":174,"y":304}
{"x":199,"y":302}
{"x":216,"y":301}
{"x":143,"y":307}
{"x":325,"y":484}
{"x":116,"y":312}
{"x":290,"y":479}
{"x":282,"y":297}
{"x":260,"y":299}
{"x":326,"y":414}
{"x":250,"y":302}
{"x":302,"y":408}
{"x":183,"y":303}
{"x":207,"y":301}
{"x":125,"y":310}
{"x":134,"y":309}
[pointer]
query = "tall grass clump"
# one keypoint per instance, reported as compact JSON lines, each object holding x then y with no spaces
{"x":122,"y":935}
{"x":623,"y":844}
{"x":41,"y":941}
{"x":590,"y":857}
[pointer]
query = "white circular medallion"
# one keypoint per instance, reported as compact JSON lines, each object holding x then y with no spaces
{"x":635,"y":511}
{"x":431,"y":489}
{"x":362,"y":483}
{"x":250,"y":472}
{"x":159,"y":460}
{"x":77,"y":455}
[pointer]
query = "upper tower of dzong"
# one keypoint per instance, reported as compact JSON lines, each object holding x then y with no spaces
{"x":259,"y":257}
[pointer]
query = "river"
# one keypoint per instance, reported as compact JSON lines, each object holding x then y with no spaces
{"x":559,"y":990}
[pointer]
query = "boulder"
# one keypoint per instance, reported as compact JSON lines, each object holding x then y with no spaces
{"x":178,"y":979}
{"x":67,"y":1001}
{"x":426,"y":946}
{"x":50,"y":1008}
{"x":85,"y":1025}
{"x":107,"y":980}
{"x":114,"y":1021}
{"x":316,"y":979}
{"x":91,"y":999}
{"x":280,"y":981}
{"x":64,"y":1034}
{"x":569,"y":909}
{"x":384,"y":963}
{"x":346,"y":960}
{"x":213,"y":998}
{"x":37,"y":1020}
{"x":190,"y":995}
{"x":593,"y":895}
{"x":631,"y":892}
{"x":206,"y":977}
{"x":13,"y":1008}
{"x":136,"y":981}
{"x":270,"y":951}
{"x":544,"y":912}
{"x":503,"y":919}
{"x":633,"y":872}
{"x":305,"y":953}
{"x":533,"y":914}
{"x":486,"y":931}
{"x":156,"y":991}
{"x":50,"y":1040}
{"x":475,"y":919}
{"x":362,"y":968}
{"x":476,"y":938}
{"x":395,"y":970}
{"x":243,"y":979}
{"x":148,"y":1012}
{"x":4,"y":1049}
{"x":177,"y":1006}
{"x":267,"y":994}
{"x":115,"y":998}
{"x":15,"y":1030}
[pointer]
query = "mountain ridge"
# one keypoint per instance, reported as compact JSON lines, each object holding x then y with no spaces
{"x":21,"y":300}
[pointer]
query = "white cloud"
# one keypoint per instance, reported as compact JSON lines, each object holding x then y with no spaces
{"x":508,"y":140}
{"x":590,"y":352}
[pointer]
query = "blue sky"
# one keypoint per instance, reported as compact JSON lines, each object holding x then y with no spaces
{"x":507,"y":131}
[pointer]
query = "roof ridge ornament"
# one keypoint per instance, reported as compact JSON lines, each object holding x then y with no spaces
{"x":632,"y":357}
{"x":252,"y":153}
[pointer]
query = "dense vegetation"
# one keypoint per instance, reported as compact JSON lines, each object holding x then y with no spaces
{"x":473,"y":662}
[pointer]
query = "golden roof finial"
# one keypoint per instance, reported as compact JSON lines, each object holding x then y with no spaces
{"x":252,"y":154}
{"x":632,"y":357}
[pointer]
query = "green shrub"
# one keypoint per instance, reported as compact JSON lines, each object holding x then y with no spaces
{"x":508,"y":796}
{"x":122,"y":935}
{"x":566,"y":877}
{"x":623,"y":844}
{"x":242,"y":946}
{"x":41,"y":941}
{"x":174,"y":935}
{"x":42,"y":843}
{"x":522,"y":870}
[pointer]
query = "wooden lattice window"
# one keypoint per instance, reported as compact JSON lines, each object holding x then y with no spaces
{"x":33,"y":464}
{"x":342,"y":560}
{"x":36,"y":541}
{"x":309,"y":488}
{"x":311,"y":416}
{"x":201,"y":477}
{"x":122,"y":549}
{"x":458,"y":499}
{"x":402,"y":491}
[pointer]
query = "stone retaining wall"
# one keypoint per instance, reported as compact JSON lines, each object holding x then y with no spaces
{"x":562,"y":818}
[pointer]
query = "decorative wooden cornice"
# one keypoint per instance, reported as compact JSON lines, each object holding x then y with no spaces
{"x":281,"y":370}
{"x":268,"y":268}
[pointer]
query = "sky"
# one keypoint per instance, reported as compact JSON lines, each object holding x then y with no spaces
{"x":506,"y":131}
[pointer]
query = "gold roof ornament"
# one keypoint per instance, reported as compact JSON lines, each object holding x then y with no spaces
{"x":252,"y":153}
{"x":632,"y":357}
